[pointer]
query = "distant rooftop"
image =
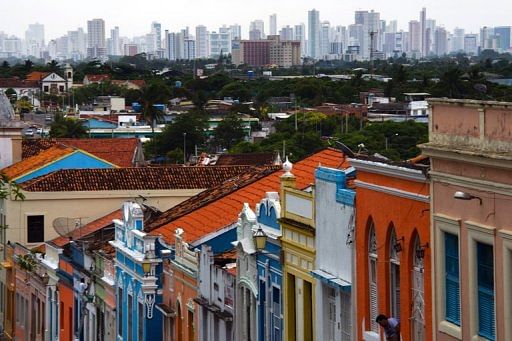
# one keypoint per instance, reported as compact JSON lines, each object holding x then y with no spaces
{"x":140,"y":178}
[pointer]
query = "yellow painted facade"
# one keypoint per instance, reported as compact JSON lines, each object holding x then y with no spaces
{"x":298,"y":244}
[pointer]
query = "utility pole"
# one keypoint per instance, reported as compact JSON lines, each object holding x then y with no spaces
{"x":372,"y":37}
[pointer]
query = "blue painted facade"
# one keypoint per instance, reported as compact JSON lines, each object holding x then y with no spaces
{"x":270,"y":271}
{"x":137,"y":293}
{"x":75,"y":160}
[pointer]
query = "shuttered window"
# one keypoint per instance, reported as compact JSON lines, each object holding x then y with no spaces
{"x":452,"y":281}
{"x":485,"y":264}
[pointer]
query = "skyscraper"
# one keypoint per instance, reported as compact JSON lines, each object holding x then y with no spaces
{"x":370,"y":22}
{"x":114,"y":47}
{"x":300,"y":35}
{"x":273,"y":24}
{"x":201,"y":42}
{"x":503,"y":36}
{"x":34,"y":38}
{"x":314,"y":34}
{"x":236,"y":31}
{"x":96,"y":38}
{"x":440,"y":42}
{"x":257,"y":26}
{"x":414,"y":38}
{"x":286,"y":33}
{"x":325,"y":39}
{"x":156,"y":29}
{"x":423,"y":32}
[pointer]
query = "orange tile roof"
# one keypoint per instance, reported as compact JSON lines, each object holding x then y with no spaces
{"x":97,"y":78}
{"x":88,"y":229}
{"x":36,"y":75}
{"x":256,"y":159}
{"x":120,"y":152}
{"x":37,"y":161}
{"x":219,"y":211}
{"x":137,"y":178}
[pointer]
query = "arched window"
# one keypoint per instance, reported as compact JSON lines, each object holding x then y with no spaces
{"x":372,"y":276}
{"x":418,"y":305}
{"x":395,"y":249}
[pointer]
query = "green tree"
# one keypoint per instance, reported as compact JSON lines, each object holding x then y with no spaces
{"x":152,"y":94}
{"x":189,"y":128}
{"x":229,"y":131}
{"x":67,"y":127}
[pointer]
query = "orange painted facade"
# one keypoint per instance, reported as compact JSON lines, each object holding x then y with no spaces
{"x":180,"y":289}
{"x":389,"y":199}
{"x":66,"y":298}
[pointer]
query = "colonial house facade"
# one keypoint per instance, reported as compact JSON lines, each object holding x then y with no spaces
{"x":138,"y":262}
{"x":298,"y":243}
{"x":335,"y":254}
{"x":470,"y":145}
{"x":392,"y":241}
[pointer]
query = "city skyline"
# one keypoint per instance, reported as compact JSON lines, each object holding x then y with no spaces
{"x":132,"y":22}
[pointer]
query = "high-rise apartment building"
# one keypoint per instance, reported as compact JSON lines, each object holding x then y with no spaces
{"x":34,"y":39}
{"x":325,"y":39}
{"x":114,"y":46}
{"x":189,"y":51}
{"x":201,"y":41}
{"x":96,"y":39}
{"x":299,"y":32}
{"x":156,"y":30}
{"x":270,"y":51}
{"x":414,"y":39}
{"x":286,"y":33}
{"x":220,"y":42}
{"x":370,"y":22}
{"x":273,"y":24}
{"x":314,"y":34}
{"x":457,"y":42}
{"x":236,"y":31}
{"x":423,"y":29}
{"x":471,"y":44}
{"x":78,"y":43}
{"x":257,"y":27}
{"x":440,"y":41}
{"x":503,"y":35}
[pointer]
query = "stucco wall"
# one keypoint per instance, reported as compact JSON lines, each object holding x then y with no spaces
{"x":88,"y":206}
{"x":409,"y":217}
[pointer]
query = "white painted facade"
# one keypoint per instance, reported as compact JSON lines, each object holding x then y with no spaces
{"x":216,"y":299}
{"x":334,"y":267}
{"x":246,"y":277}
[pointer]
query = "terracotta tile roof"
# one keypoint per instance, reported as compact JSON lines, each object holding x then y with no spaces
{"x":88,"y":229}
{"x":219,"y":207}
{"x":37,"y":75}
{"x":140,"y":178}
{"x":120,"y":152}
{"x":97,"y":78}
{"x":140,"y":83}
{"x":255,"y":159}
{"x":17,"y":83}
{"x":37,"y":161}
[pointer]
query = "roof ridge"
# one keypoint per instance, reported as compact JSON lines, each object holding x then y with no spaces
{"x":202,"y":199}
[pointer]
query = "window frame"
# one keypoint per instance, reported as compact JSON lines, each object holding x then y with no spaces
{"x":506,"y":239}
{"x":478,"y":233}
{"x":444,"y":224}
{"x":34,"y":214}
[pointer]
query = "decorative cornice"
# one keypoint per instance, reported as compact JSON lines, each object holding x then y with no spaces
{"x":393,"y":191}
{"x":389,"y":170}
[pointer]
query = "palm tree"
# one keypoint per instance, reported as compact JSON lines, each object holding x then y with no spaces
{"x":53,"y":66}
{"x":67,"y":127}
{"x":152,"y":94}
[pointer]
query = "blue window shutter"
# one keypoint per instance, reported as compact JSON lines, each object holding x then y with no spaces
{"x":452,"y":282}
{"x":485,"y":264}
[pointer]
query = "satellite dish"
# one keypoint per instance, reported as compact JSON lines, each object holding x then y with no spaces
{"x":65,"y":226}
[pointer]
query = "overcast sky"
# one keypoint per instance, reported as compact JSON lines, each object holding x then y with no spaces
{"x":134,"y":17}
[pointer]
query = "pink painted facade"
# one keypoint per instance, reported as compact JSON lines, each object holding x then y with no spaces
{"x":470,"y":146}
